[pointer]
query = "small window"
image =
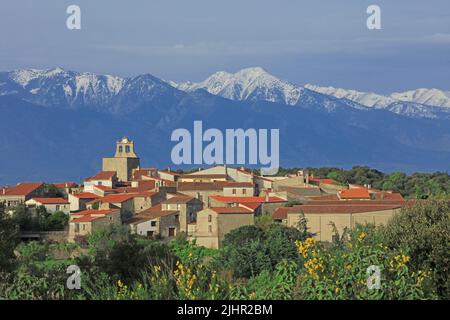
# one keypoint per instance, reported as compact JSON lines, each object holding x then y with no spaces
{"x":244,"y":191}
{"x":210,"y":229}
{"x":127,"y":149}
{"x":153,"y":223}
{"x":57,"y":207}
{"x":84,"y":227}
{"x":234,"y":191}
{"x":120,"y":149}
{"x":209,"y":218}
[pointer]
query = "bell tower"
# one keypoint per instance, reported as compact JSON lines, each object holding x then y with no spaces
{"x":124,"y":161}
{"x":125,"y":148}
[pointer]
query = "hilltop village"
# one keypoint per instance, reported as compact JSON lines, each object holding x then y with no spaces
{"x":204,"y":205}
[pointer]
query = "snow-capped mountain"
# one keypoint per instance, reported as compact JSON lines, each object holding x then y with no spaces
{"x":420,"y":103}
{"x":107,"y":93}
{"x":367,"y":99}
{"x":431,"y":97}
{"x":57,"y":87}
{"x":76,"y":117}
{"x":255,"y":84}
{"x":247,"y":84}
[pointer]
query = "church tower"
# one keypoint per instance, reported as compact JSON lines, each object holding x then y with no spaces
{"x":124,"y":161}
{"x":125,"y":148}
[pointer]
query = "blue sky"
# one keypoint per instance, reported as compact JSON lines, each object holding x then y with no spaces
{"x":322,"y":42}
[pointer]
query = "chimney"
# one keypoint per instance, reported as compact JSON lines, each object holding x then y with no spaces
{"x":4,"y":190}
{"x":67,"y":185}
{"x":267,"y":196}
{"x":168,"y":169}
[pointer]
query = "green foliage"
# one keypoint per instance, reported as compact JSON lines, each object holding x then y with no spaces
{"x":341,"y":272}
{"x":190,"y":254}
{"x":423,"y":231}
{"x":120,"y":254}
{"x":22,"y":217}
{"x":249,"y":250}
{"x":57,"y":221}
{"x":8,"y":240}
{"x":266,"y":261}
{"x":41,"y":221}
{"x":277,"y":285}
{"x":32,"y":251}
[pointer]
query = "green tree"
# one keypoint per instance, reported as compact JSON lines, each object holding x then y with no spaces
{"x":8,"y":240}
{"x":423,"y":231}
{"x":57,"y":221}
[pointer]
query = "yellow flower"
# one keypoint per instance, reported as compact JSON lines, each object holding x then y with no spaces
{"x":361,"y":236}
{"x":399,"y":261}
{"x":120,"y":283}
{"x":337,"y":290}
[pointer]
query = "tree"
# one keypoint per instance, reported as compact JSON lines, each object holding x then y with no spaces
{"x":249,"y":250}
{"x":424,"y":232}
{"x":22,"y":217}
{"x":57,"y":221}
{"x":280,"y":242}
{"x":8,"y":240}
{"x":122,"y":255}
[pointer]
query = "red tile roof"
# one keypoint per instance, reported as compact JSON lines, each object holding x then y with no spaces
{"x":137,"y":174}
{"x":117,"y":198}
{"x":342,"y":208}
{"x":326,"y":181}
{"x":356,"y":193}
{"x":102,"y":175}
{"x":93,"y":211}
{"x":51,"y":200}
{"x":156,"y":212}
{"x":85,"y":195}
{"x":22,"y":189}
{"x":232,"y":210}
{"x":250,"y":205}
{"x":103,"y":188}
{"x":89,"y":215}
{"x":281,"y":213}
{"x":326,"y":197}
{"x":178,"y":199}
{"x":86,"y":218}
{"x":230,"y":199}
{"x":63,"y":185}
{"x":201,"y":186}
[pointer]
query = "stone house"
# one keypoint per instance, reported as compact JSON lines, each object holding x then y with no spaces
{"x":50,"y":204}
{"x":215,"y":222}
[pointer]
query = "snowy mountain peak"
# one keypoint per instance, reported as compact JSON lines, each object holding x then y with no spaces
{"x":432,"y":97}
{"x":420,"y":103}
{"x":368,"y":99}
{"x":247,"y":84}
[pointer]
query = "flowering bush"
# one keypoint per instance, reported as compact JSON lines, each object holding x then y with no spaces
{"x":344,"y":271}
